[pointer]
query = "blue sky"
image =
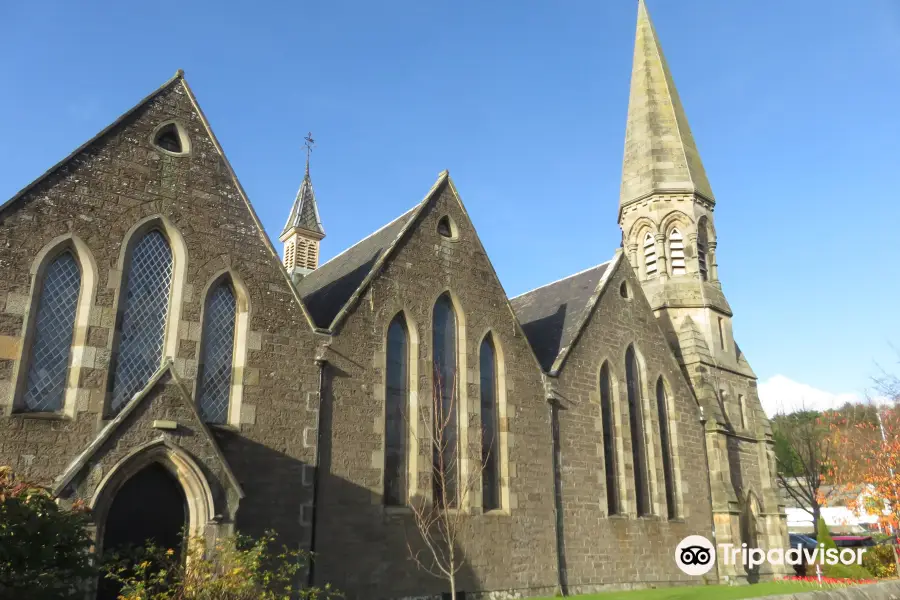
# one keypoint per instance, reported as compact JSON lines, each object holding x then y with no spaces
{"x":792,"y":104}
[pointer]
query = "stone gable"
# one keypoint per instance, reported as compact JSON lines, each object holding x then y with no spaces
{"x":363,"y":542}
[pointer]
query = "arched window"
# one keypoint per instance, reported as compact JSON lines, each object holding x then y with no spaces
{"x":676,"y":252}
{"x":701,"y":248}
{"x":650,"y":254}
{"x":396,"y":401}
{"x":609,"y":441}
{"x":636,"y":416}
{"x":665,"y":443}
{"x":490,"y":435}
{"x":217,"y":353}
{"x":51,"y":341}
{"x":445,"y":455}
{"x":145,"y":306}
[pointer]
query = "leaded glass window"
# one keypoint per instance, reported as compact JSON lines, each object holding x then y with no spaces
{"x":217,"y":356}
{"x":609,"y":442}
{"x":636,"y":416}
{"x":54,"y":325}
{"x":490,"y":439}
{"x":145,"y":306}
{"x":662,"y":403}
{"x":396,"y":402}
{"x":445,"y":459}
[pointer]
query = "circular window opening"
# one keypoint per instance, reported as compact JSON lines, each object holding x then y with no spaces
{"x":623,"y":290}
{"x":172,"y":139}
{"x":446,"y":227}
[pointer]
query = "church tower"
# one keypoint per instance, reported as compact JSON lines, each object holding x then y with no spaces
{"x":303,"y":230}
{"x":666,"y":209}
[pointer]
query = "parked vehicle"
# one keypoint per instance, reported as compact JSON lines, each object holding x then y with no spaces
{"x":853,"y":541}
{"x":804,"y":542}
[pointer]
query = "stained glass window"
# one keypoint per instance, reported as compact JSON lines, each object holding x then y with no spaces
{"x":396,"y":402}
{"x":145,"y":306}
{"x":54,"y":324}
{"x":609,"y":442}
{"x":490,"y":439}
{"x":445,"y":455}
{"x":217,"y":355}
{"x":662,"y":403}
{"x":636,"y":416}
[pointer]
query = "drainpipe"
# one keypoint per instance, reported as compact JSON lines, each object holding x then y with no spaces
{"x":562,"y":579}
{"x":321,"y":363}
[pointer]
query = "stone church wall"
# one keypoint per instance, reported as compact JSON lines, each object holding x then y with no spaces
{"x":363,"y":544}
{"x":601,"y":550}
{"x":98,"y":196}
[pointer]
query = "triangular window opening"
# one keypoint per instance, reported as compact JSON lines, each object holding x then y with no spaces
{"x":169,"y":139}
{"x":444,"y":228}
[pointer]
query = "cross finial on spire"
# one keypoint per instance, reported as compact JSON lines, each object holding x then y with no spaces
{"x":309,"y":143}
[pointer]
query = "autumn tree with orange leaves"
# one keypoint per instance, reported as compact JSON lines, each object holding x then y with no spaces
{"x":870,"y":456}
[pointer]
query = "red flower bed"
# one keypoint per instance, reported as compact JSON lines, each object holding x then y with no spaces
{"x":829,"y":580}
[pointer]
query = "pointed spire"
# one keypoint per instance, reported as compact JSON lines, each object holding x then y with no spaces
{"x":660,"y":153}
{"x":305,"y":213}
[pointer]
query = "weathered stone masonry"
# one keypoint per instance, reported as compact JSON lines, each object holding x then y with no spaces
{"x":309,"y":369}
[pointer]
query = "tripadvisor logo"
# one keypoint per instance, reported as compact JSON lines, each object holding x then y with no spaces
{"x":696,"y":555}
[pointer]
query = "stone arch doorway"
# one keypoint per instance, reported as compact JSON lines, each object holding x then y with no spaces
{"x":150,"y":506}
{"x":158,"y":472}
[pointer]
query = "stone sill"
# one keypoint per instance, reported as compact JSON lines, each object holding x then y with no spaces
{"x":223,"y":427}
{"x":43,"y":416}
{"x":397,"y":510}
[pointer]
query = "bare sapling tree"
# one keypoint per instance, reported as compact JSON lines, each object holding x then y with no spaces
{"x":809,"y":441}
{"x":441,"y":519}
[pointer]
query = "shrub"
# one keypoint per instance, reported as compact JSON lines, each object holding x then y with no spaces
{"x":238,"y":568}
{"x":44,"y":550}
{"x":837,"y":571}
{"x":879,"y":560}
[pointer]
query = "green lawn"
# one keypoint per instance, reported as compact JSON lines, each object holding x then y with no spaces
{"x":706,"y":592}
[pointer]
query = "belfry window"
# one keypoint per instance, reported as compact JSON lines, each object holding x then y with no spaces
{"x":650,"y":254}
{"x":396,"y":400}
{"x":701,"y":250}
{"x":217,"y":354}
{"x":145,"y":308}
{"x":676,"y":252}
{"x":54,"y":325}
{"x":446,"y":396}
{"x":490,"y":436}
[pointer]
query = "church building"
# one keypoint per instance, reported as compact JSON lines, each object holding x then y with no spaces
{"x":164,"y":362}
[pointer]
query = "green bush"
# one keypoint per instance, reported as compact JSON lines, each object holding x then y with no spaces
{"x":44,"y":550}
{"x":837,"y":571}
{"x":879,"y":560}
{"x":237,"y":568}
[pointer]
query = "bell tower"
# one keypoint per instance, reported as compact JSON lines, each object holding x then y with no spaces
{"x":666,"y":215}
{"x":303,"y":230}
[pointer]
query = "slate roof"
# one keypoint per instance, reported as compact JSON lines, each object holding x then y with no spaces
{"x":327,"y":289}
{"x":305,"y":212}
{"x":551,"y":315}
